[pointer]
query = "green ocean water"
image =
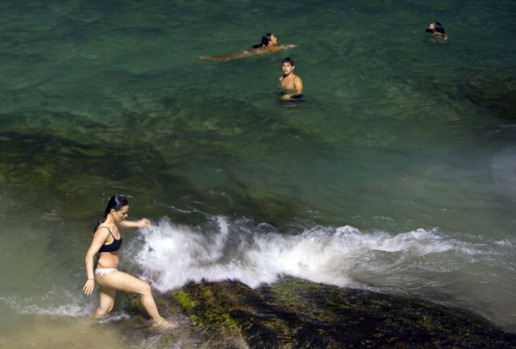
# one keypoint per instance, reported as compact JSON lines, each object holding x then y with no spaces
{"x":410,"y":143}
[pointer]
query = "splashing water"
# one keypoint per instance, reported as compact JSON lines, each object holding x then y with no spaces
{"x":426,"y":263}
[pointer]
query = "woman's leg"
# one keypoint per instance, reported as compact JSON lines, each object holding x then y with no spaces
{"x":118,"y":280}
{"x":107,"y":301}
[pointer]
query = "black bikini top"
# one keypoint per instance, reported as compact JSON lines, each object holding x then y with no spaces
{"x":112,"y":247}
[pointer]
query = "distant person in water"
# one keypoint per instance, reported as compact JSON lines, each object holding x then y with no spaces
{"x":268,"y":43}
{"x":437,"y":31}
{"x":291,"y":84}
{"x":104,"y":246}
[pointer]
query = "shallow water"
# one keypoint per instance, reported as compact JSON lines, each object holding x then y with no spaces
{"x":396,"y":173}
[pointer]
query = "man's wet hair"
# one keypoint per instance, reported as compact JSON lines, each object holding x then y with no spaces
{"x":288,"y":60}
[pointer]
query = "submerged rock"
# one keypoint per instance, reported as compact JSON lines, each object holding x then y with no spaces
{"x":293,"y":313}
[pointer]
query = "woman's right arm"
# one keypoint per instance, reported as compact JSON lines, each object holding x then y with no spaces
{"x":98,"y":240}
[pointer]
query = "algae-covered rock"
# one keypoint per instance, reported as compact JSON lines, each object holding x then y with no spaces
{"x":294,"y":313}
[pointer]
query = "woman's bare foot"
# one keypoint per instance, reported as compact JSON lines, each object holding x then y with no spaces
{"x":165,"y":324}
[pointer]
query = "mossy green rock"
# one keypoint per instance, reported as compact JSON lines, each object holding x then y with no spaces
{"x":294,"y":313}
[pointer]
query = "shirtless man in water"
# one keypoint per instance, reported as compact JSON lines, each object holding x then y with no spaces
{"x":291,"y":84}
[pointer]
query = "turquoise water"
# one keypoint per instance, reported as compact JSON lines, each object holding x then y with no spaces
{"x":396,"y":173}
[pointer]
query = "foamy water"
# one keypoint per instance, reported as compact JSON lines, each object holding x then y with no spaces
{"x":427,"y":263}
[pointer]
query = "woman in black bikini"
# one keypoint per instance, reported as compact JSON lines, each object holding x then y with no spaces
{"x":106,"y":242}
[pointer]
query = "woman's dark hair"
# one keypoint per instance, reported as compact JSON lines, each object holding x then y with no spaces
{"x":266,"y":38}
{"x":439,"y":28}
{"x":115,"y":202}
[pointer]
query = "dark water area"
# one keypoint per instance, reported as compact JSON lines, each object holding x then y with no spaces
{"x":396,"y":173}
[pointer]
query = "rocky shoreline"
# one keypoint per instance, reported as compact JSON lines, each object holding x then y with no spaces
{"x":294,"y":313}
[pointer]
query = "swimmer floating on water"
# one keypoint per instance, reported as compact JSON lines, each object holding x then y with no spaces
{"x":291,"y":84}
{"x":106,"y":242}
{"x":437,"y":31}
{"x":269,"y":43}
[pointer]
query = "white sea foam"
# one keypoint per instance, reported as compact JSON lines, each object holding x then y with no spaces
{"x":473,"y":273}
{"x":37,"y":307}
{"x":173,"y":255}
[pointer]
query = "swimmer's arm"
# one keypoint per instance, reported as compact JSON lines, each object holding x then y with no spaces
{"x":99,"y":239}
{"x":144,"y":222}
{"x":298,"y":84}
{"x":275,"y":48}
{"x":265,"y":49}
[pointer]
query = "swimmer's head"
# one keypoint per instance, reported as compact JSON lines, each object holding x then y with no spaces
{"x":287,"y":65}
{"x":435,"y":27}
{"x":288,"y":60}
{"x":116,"y":204}
{"x":267,"y":40}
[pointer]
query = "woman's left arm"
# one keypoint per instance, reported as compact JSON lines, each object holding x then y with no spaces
{"x":284,"y":47}
{"x":142,"y":223}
